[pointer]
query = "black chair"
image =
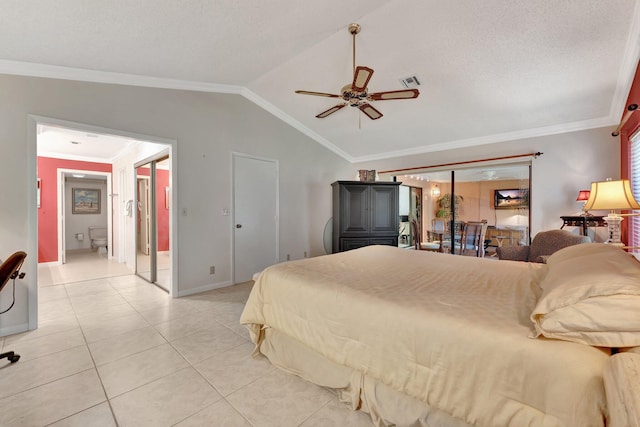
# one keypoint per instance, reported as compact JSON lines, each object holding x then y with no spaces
{"x":10,"y":270}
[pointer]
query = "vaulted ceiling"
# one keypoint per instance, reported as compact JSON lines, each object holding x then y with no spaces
{"x":489,"y":70}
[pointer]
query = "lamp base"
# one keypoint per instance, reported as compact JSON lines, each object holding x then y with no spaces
{"x":613,"y":223}
{"x":617,"y":245}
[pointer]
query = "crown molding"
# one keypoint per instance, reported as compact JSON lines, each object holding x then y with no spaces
{"x":492,"y":139}
{"x":261,"y":102}
{"x":32,"y":69}
{"x":54,"y":155}
{"x":625,"y":80}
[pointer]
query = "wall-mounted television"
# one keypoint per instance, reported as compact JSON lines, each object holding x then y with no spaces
{"x":511,"y":199}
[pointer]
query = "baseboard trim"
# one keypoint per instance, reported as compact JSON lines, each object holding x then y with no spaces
{"x":10,"y":330}
{"x":210,"y":287}
{"x":49,"y":264}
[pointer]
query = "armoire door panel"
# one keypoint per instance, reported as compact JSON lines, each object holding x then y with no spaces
{"x":384,"y":217}
{"x":355,"y":210}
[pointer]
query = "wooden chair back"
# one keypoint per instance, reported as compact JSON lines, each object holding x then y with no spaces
{"x":416,"y":234}
{"x":473,"y":238}
{"x":438,"y":225}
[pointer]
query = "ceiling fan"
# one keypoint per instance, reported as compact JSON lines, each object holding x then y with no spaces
{"x":355,"y":94}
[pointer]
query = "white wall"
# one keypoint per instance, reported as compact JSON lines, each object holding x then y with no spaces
{"x":80,"y":223}
{"x":207,"y":128}
{"x":571,"y":161}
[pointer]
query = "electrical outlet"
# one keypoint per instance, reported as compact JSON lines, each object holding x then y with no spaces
{"x":212,"y":269}
{"x":288,"y":257}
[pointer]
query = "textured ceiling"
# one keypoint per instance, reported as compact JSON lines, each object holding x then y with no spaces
{"x":490,"y":70}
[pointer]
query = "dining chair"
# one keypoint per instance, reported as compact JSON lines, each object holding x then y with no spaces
{"x":438,"y":225}
{"x":472,"y":243}
{"x":433,"y":246}
{"x":458,"y":234}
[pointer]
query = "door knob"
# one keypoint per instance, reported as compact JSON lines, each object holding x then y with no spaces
{"x":238,"y":225}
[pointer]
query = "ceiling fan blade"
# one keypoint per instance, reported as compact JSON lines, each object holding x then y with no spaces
{"x":330,"y":111}
{"x":328,"y":95}
{"x":371,"y":112}
{"x":361,"y":78}
{"x":394,"y":94}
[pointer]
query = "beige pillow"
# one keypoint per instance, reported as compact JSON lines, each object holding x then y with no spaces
{"x":582,"y":249}
{"x":590,"y":295}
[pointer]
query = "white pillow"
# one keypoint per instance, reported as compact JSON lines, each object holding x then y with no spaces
{"x":582,"y":249}
{"x":590,"y":295}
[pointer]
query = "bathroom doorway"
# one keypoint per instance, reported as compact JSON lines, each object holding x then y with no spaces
{"x":73,"y":227}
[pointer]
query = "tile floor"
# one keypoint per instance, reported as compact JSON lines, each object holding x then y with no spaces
{"x":117,"y":351}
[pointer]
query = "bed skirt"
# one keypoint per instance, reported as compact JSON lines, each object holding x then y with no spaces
{"x":387,"y":407}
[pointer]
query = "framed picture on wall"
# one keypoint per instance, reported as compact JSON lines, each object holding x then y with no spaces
{"x":511,"y":199}
{"x":85,"y":201}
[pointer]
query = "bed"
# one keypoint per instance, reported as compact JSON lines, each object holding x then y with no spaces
{"x":429,"y":339}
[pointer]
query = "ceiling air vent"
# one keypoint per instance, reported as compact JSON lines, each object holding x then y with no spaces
{"x":410,"y":82}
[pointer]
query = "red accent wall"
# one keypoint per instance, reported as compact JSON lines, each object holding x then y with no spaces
{"x":162,"y":182}
{"x":48,"y":212}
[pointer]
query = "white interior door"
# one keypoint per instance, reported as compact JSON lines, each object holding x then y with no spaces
{"x":255,"y":212}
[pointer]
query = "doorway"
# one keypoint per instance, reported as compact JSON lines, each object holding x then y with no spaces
{"x":97,"y":146}
{"x":255,"y":215}
{"x":73,"y":228}
{"x":410,"y":209}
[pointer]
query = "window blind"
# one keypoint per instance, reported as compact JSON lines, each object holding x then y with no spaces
{"x":634,"y":177}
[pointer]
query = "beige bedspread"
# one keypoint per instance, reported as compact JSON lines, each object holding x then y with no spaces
{"x":451,"y":331}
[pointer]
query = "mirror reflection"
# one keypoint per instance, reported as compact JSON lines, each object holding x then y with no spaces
{"x":435,"y":206}
{"x":153,"y":197}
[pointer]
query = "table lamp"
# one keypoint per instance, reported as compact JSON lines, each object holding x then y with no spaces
{"x":583,"y":196}
{"x":612,"y":195}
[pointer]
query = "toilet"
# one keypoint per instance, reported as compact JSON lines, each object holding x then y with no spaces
{"x":98,"y":237}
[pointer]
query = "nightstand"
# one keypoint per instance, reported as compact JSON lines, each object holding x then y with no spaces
{"x":584,"y":222}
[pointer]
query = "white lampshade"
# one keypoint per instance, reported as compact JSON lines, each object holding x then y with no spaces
{"x":611,"y":195}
